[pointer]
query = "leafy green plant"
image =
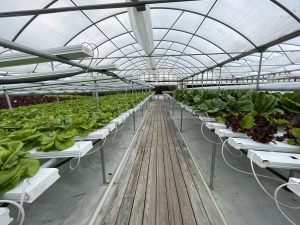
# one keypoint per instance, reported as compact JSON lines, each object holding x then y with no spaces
{"x":14,"y":165}
{"x":291,"y":102}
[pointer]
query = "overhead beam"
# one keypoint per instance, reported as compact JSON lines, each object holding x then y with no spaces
{"x":259,"y":48}
{"x":85,"y":8}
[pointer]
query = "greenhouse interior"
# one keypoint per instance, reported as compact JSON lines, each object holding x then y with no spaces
{"x":150,"y":112}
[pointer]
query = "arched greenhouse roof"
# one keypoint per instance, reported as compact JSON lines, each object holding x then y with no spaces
{"x":185,"y":38}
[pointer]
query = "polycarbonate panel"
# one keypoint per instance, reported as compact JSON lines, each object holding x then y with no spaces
{"x":90,"y":35}
{"x":255,"y":17}
{"x":199,"y":6}
{"x":158,"y":34}
{"x":164,"y":18}
{"x":163,"y":44}
{"x":179,"y":36}
{"x":128,"y":49}
{"x":111,"y":27}
{"x":123,"y":40}
{"x":106,"y":49}
{"x":188,"y":22}
{"x":292,"y":5}
{"x":53,"y":30}
{"x":223,"y":36}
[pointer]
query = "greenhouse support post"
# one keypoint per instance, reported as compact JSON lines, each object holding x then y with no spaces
{"x":102,"y":162}
{"x":212,"y":165}
{"x":181,"y":115}
{"x":259,"y":70}
{"x":202,"y":79}
{"x":220,"y":74}
{"x":96,"y":94}
{"x":8,"y":101}
{"x":133,"y":117}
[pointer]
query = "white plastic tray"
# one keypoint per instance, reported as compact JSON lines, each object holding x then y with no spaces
{"x":110,"y":127}
{"x":97,"y":134}
{"x":229,"y":133}
{"x":213,"y":126}
{"x":119,"y":120}
{"x":79,"y":149}
{"x":294,"y":188}
{"x":206,"y":119}
{"x":35,"y":186}
{"x":5,"y":219}
{"x":275,"y":159}
{"x":242,"y":143}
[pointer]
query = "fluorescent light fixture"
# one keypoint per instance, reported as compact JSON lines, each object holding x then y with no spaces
{"x":67,"y":52}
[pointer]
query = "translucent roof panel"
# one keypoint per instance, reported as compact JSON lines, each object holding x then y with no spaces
{"x":189,"y":37}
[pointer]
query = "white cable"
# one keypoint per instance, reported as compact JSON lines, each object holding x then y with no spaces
{"x":229,"y":150}
{"x":89,"y":153}
{"x":23,"y":195}
{"x":242,"y":171}
{"x":117,"y":130}
{"x":78,"y":159}
{"x":21,"y":209}
{"x":207,"y":137}
{"x":277,"y":202}
{"x":259,"y":183}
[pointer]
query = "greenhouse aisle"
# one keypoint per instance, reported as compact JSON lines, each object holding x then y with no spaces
{"x":159,"y":184}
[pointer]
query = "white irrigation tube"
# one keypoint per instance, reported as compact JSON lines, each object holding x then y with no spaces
{"x":233,"y":154}
{"x":264,"y":189}
{"x":201,"y":176}
{"x":21,"y":209}
{"x":105,"y":195}
{"x":277,"y":202}
{"x":242,"y":171}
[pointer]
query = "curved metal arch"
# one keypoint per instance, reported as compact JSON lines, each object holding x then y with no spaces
{"x":170,"y":61}
{"x":165,"y":49}
{"x":114,"y":15}
{"x":168,"y":41}
{"x":196,"y":35}
{"x":283,"y":7}
{"x":130,"y":71}
{"x":173,"y":61}
{"x":212,"y":18}
{"x":93,"y":24}
{"x":32,"y":19}
{"x":175,"y":73}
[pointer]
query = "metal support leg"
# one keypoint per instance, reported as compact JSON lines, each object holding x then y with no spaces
{"x":8,"y":101}
{"x":133,"y":116}
{"x":212,"y":165}
{"x":181,"y":114}
{"x":173,"y":108}
{"x":103,"y":163}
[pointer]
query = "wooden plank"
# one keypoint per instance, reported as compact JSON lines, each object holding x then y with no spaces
{"x":172,"y":195}
{"x":161,"y":204}
{"x":214,"y":216}
{"x":150,"y":203}
{"x":187,"y":212}
{"x":197,"y":204}
{"x":140,"y":196}
{"x":123,"y":179}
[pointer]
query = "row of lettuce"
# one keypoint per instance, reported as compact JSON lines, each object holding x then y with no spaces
{"x":52,"y":126}
{"x":263,"y":116}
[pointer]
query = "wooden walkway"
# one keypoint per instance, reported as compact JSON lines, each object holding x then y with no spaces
{"x":159,"y":184}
